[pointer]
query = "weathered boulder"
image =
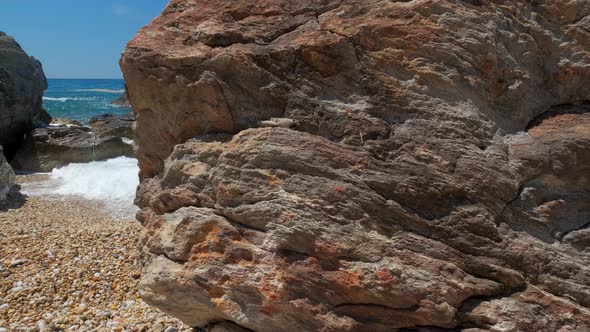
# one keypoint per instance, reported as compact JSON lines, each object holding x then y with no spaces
{"x":6,"y":176}
{"x":371,"y":165}
{"x":22,"y":83}
{"x":51,"y":147}
{"x":113,"y":125}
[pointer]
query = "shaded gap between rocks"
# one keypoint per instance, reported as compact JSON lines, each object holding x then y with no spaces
{"x":577,"y":107}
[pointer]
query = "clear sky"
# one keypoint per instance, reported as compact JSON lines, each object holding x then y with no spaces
{"x":77,"y":38}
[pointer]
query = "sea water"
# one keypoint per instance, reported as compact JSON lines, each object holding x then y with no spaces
{"x":81,"y":99}
{"x":112,"y":182}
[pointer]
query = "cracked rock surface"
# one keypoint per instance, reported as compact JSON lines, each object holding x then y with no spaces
{"x":433,"y":175}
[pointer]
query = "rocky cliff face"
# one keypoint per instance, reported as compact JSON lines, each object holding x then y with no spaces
{"x":22,"y":83}
{"x":429,"y":167}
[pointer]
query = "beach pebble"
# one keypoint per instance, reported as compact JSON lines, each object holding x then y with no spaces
{"x":128,"y":305}
{"x":17,"y":289}
{"x":42,"y":326}
{"x":17,"y":262}
{"x":79,"y":309}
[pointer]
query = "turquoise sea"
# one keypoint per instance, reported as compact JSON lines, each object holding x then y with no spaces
{"x":81,"y":99}
{"x":113,"y":181}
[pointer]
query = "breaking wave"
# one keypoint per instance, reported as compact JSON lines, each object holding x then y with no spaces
{"x":100,"y":90}
{"x":64,"y":99}
{"x":112,"y":182}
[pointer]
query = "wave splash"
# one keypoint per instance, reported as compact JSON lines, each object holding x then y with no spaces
{"x":100,"y":90}
{"x":112,"y":182}
{"x":64,"y":99}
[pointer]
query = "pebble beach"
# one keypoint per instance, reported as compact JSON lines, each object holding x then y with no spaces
{"x":67,"y":265}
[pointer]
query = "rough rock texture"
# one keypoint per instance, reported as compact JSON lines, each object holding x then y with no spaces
{"x":22,"y":83}
{"x":435,"y":173}
{"x":51,"y":147}
{"x":113,"y":125}
{"x":6,"y":176}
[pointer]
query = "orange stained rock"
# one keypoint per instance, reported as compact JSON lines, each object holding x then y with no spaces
{"x":270,"y":286}
{"x":385,"y":277}
{"x":327,"y":248}
{"x":226,"y":306}
{"x":345,"y":278}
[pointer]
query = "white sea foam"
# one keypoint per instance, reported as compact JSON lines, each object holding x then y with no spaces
{"x":59,"y":124}
{"x":112,"y":182}
{"x":57,"y":99}
{"x":127,"y":140}
{"x":100,"y":90}
{"x":64,"y":99}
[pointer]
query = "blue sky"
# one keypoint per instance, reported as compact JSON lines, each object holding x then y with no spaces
{"x":77,"y":38}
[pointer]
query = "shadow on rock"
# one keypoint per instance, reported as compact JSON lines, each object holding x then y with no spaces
{"x":14,"y":199}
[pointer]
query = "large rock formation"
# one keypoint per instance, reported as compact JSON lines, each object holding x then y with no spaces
{"x":51,"y":147}
{"x":430,"y":170}
{"x":6,"y":176}
{"x":22,"y":83}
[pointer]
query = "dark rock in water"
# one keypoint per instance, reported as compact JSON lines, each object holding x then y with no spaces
{"x":122,"y":101}
{"x":51,"y":147}
{"x":22,"y":83}
{"x":113,"y":125}
{"x":427,"y":167}
{"x":6,"y":176}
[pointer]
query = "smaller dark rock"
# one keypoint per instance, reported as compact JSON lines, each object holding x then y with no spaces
{"x":42,"y":118}
{"x":6,"y":176}
{"x":122,"y":101}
